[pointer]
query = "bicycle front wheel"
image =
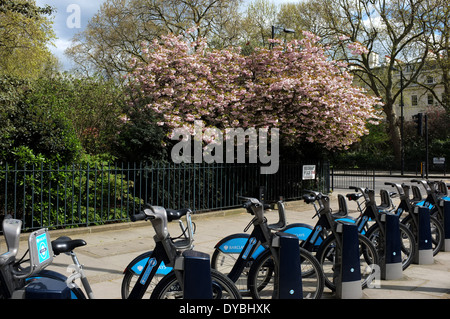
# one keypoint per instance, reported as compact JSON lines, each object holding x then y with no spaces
{"x":224,"y":262}
{"x":262,"y":274}
{"x":368,"y":259}
{"x":408,"y":247}
{"x":222,"y":287}
{"x":437,"y":232}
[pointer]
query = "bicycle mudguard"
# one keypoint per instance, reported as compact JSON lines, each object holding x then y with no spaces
{"x":233,"y":244}
{"x":138,"y":264}
{"x":302,"y":231}
{"x":75,"y":292}
{"x":47,"y":274}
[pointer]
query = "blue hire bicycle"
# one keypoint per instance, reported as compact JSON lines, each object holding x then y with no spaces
{"x":161,"y":273}
{"x":248,"y":258}
{"x":27,"y":278}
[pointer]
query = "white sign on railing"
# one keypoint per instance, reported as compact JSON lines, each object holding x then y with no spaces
{"x":309,"y":171}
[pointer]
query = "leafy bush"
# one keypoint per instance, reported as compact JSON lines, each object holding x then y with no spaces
{"x":29,"y":123}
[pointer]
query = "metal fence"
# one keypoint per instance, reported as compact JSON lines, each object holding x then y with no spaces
{"x":344,"y":178}
{"x":82,"y":195}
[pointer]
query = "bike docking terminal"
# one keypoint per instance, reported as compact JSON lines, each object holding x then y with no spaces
{"x":391,"y":264}
{"x":289,"y":276}
{"x":425,"y":252}
{"x":446,"y":204}
{"x":347,"y":264}
{"x":197,"y":275}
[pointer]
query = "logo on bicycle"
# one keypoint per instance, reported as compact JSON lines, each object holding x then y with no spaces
{"x":251,"y":244}
{"x":151,"y":264}
{"x":43,"y":250}
{"x":42,"y":247}
{"x":235,"y":247}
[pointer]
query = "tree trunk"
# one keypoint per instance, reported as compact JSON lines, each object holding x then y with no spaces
{"x":394,"y":132}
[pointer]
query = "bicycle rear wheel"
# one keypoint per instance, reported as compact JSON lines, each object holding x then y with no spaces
{"x":437,"y":232}
{"x":262,"y":274}
{"x":408,"y":243}
{"x":222,"y":286}
{"x":368,"y":259}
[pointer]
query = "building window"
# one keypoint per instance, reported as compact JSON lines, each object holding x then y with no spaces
{"x":430,"y":80}
{"x":430,"y":99}
{"x":414,"y":100}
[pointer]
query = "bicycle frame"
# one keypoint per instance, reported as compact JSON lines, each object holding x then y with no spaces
{"x":405,"y":202}
{"x":326,"y":222}
{"x":279,"y":245}
{"x":370,"y":212}
{"x":435,"y":194}
{"x":167,"y":250}
{"x":260,"y":236}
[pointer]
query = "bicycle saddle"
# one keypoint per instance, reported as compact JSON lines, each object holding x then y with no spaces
{"x":173,"y":214}
{"x":309,"y":198}
{"x":65,"y":244}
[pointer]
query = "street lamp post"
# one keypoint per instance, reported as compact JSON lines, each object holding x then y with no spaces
{"x":279,"y":28}
{"x":402,"y":119}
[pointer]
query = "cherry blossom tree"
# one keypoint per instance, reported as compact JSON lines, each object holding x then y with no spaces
{"x":294,"y":87}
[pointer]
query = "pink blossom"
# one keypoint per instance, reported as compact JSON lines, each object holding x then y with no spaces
{"x":295,"y":87}
{"x":357,"y":48}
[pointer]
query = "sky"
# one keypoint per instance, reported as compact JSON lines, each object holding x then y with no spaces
{"x":72,"y":16}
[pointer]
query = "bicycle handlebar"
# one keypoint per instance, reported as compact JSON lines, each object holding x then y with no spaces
{"x":369,"y":195}
{"x":249,"y":201}
{"x":138,"y":217}
{"x":160,"y":217}
{"x":323,"y":200}
{"x":358,"y":189}
{"x":256,"y":208}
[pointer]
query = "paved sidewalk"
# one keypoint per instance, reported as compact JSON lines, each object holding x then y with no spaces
{"x":110,"y":248}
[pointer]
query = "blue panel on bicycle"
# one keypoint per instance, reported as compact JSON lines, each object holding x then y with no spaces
{"x":139,"y":266}
{"x":425,"y":204}
{"x":302,"y":233}
{"x":258,"y":251}
{"x":234,"y":245}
